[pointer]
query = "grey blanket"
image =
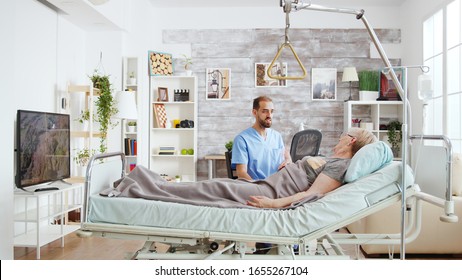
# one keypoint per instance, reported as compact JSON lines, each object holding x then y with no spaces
{"x":220,"y":192}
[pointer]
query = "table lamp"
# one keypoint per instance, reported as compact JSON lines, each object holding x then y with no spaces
{"x":350,"y":75}
{"x":126,"y":105}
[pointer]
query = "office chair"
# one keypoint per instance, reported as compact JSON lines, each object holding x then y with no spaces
{"x":305,"y":143}
{"x":229,"y":166}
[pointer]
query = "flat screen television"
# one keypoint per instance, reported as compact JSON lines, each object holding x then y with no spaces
{"x":42,"y":147}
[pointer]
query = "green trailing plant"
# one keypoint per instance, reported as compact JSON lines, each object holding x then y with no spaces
{"x":84,"y":116}
{"x":368,"y":80}
{"x":105,"y":107}
{"x":395,"y":135}
{"x":82,"y":157}
{"x":131,"y":123}
{"x":229,"y":145}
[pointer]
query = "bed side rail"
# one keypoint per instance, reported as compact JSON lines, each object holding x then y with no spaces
{"x":447,"y":204}
{"x":102,"y":171}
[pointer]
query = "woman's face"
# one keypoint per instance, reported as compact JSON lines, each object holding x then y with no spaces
{"x":345,"y":140}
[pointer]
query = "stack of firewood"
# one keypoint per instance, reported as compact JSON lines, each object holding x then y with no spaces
{"x":161,"y":64}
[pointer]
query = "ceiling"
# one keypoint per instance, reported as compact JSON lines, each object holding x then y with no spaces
{"x":272,"y":3}
{"x":83,"y":14}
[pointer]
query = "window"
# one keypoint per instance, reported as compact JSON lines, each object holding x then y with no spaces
{"x":442,"y":51}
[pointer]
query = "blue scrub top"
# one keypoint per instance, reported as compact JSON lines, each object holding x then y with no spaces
{"x":262,"y":156}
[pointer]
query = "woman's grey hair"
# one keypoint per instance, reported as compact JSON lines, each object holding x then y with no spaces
{"x":363,"y":137}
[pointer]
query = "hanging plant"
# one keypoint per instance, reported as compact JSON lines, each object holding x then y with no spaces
{"x":82,"y":157}
{"x":84,"y":116}
{"x":105,"y":107}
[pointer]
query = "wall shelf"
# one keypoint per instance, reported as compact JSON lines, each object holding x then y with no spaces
{"x":128,"y":138}
{"x":178,"y":138}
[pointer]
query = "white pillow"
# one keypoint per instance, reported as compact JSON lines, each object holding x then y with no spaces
{"x":368,"y":159}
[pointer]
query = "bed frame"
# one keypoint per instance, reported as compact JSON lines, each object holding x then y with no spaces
{"x":325,"y":242}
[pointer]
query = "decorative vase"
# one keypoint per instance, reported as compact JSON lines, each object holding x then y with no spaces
{"x":366,"y":95}
{"x":188,"y":73}
{"x":131,"y":129}
{"x":132,"y":81}
{"x":396,"y":152}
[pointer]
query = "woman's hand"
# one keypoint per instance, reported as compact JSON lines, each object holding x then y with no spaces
{"x":287,"y":160}
{"x":261,"y":201}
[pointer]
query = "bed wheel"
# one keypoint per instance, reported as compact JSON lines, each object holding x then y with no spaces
{"x":83,"y":233}
{"x":214,"y":246}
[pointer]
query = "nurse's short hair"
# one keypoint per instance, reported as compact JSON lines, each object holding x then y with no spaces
{"x":256,"y":101}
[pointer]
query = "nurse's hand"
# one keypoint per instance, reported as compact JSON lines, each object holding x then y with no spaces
{"x":282,"y":165}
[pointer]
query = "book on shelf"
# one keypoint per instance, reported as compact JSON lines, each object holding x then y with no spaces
{"x":167,"y":152}
{"x":130,"y":147}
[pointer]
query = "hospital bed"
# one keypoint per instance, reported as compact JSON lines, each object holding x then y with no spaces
{"x":199,"y":232}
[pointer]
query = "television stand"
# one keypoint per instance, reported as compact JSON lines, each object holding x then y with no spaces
{"x":59,"y":181}
{"x":42,"y":217}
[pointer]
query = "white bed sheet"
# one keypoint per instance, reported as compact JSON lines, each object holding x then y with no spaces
{"x":339,"y":204}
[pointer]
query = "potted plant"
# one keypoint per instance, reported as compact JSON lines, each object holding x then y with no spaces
{"x":229,"y":146}
{"x":177,"y":178}
{"x":131,"y":125}
{"x":132,"y":78}
{"x":105,"y":107}
{"x":368,"y":85}
{"x":395,"y":136}
{"x":187,"y":61}
{"x":81,"y":158}
{"x":84,"y":118}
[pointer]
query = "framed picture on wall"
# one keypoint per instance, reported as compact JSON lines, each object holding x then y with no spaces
{"x":324,"y":84}
{"x":218,"y":85}
{"x":160,"y":64}
{"x":261,"y":74}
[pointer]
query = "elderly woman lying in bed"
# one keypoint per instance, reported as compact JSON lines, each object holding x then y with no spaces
{"x":303,"y":181}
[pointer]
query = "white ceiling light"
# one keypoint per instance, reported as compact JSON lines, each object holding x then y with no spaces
{"x":98,"y":2}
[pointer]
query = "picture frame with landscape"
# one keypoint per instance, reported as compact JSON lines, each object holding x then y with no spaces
{"x":324,"y":84}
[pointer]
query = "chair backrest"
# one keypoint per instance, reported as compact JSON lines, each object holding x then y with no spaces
{"x":229,"y":166}
{"x":305,"y":143}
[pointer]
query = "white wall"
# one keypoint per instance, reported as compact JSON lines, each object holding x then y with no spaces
{"x":31,"y":32}
{"x":46,"y":52}
{"x":30,"y":83}
{"x":7,"y":30}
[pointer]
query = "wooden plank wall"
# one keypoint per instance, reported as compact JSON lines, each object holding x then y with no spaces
{"x":240,"y":49}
